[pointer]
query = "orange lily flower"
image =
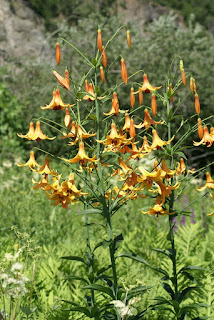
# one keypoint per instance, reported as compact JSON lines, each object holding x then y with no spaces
{"x":69,"y":188}
{"x":80,"y":135}
{"x":31,"y":162}
{"x":58,"y":53}
{"x":209,"y":183}
{"x":165,"y":190}
{"x":65,"y":82}
{"x":115,"y":106}
{"x":148,"y":121}
{"x":72,"y":134}
{"x":206,"y":140}
{"x":81,"y":156}
{"x":168,"y":172}
{"x":128,"y":123}
{"x":29,"y":134}
{"x":147,"y":87}
{"x":45,"y":168}
{"x":35,"y":135}
{"x":145,"y":146}
{"x":124,"y":168}
{"x":124,"y":73}
{"x":147,"y":178}
{"x":181,"y":168}
{"x":137,"y":153}
{"x":114,"y":138}
{"x":43,"y":183}
{"x":56,"y":102}
{"x":91,"y":95}
{"x":157,"y":209}
{"x":157,"y":142}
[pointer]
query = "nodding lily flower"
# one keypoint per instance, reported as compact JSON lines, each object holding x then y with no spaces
{"x":57,"y":103}
{"x":31,"y":162}
{"x":45,"y":168}
{"x":91,"y":95}
{"x":168,"y":172}
{"x":69,"y":187}
{"x":147,"y":87}
{"x":165,"y":190}
{"x":81,"y":156}
{"x":128,"y":36}
{"x":115,"y":106}
{"x":58,"y":53}
{"x":29,"y":134}
{"x":207,"y":139}
{"x":43,"y":183}
{"x":80,"y":135}
{"x":147,"y":178}
{"x":65,"y":82}
{"x":36,"y":134}
{"x":104,"y":57}
{"x":212,"y":213}
{"x":124,"y":73}
{"x":132,"y":97}
{"x":67,"y":119}
{"x":115,"y":138}
{"x":145,"y":146}
{"x":157,"y":142}
{"x":127,"y":124}
{"x":209,"y":183}
{"x":73,"y":133}
{"x":123,"y":170}
{"x":137,"y":153}
{"x":148,"y":121}
{"x":158,"y":209}
{"x":181,"y":168}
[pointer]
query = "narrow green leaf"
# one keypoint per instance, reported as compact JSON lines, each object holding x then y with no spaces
{"x":133,"y":256}
{"x":100,"y":288}
{"x":168,"y":289}
{"x":77,"y":278}
{"x":76,"y":258}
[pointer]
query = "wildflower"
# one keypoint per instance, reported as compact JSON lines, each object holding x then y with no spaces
{"x":81,"y":156}
{"x":102,"y":75}
{"x":67,"y":119}
{"x":197,"y":104}
{"x":104,"y":57}
{"x":157,"y":209}
{"x":132,"y":129}
{"x":63,"y":81}
{"x":192,"y":85}
{"x":132,"y":97}
{"x":72,"y":133}
{"x":31,"y":162}
{"x":168,"y":172}
{"x":91,"y":95}
{"x":157,"y":142}
{"x":37,"y":135}
{"x":30,"y":132}
{"x":123,"y":309}
{"x":140,"y":98}
{"x":148,"y":121}
{"x":209,"y":183}
{"x":99,"y":40}
{"x":45,"y":168}
{"x":128,"y":38}
{"x":124,"y":73}
{"x":147,"y":87}
{"x":43,"y":183}
{"x":154,"y":105}
{"x":165,"y":190}
{"x":200,"y":129}
{"x":137,"y":153}
{"x":183,"y":77}
{"x":128,"y":123}
{"x":207,"y":139}
{"x":115,"y":107}
{"x":56,"y":102}
{"x":80,"y":135}
{"x":58,"y":53}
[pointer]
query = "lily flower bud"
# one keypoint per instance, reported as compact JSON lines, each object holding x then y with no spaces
{"x":181,"y":65}
{"x":67,"y":119}
{"x":154,"y":105}
{"x":58,"y":53}
{"x":67,"y":77}
{"x":99,"y":40}
{"x":140,"y":98}
{"x":132,"y":129}
{"x":197,"y":104}
{"x":128,"y":39}
{"x":171,"y":90}
{"x":132,"y":97}
{"x":124,"y":73}
{"x":183,"y":77}
{"x":104,"y":58}
{"x":102,"y":75}
{"x":86,"y":85}
{"x":200,"y":129}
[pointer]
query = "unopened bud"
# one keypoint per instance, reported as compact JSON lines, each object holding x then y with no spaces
{"x":132,"y":129}
{"x":124,"y":73}
{"x":171,"y":91}
{"x":200,"y":129}
{"x":140,"y":98}
{"x":67,"y":77}
{"x":128,"y":38}
{"x":132,"y":97}
{"x":99,"y":40}
{"x":104,"y":57}
{"x":67,"y":119}
{"x":58,"y":53}
{"x":181,"y":65}
{"x":197,"y":104}
{"x":154,"y":105}
{"x":86,"y":85}
{"x":183,"y":77}
{"x":102,"y":75}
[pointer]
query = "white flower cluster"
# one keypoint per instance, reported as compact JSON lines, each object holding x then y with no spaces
{"x":123,"y":309}
{"x":13,"y":283}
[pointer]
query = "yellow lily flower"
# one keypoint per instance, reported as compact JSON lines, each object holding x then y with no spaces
{"x":207,"y":139}
{"x":45,"y":168}
{"x":157,"y":209}
{"x":57,"y":103}
{"x":148,"y":121}
{"x":31,"y":162}
{"x":157,"y":142}
{"x":209,"y":183}
{"x":36,"y":134}
{"x":81,"y":156}
{"x":147,"y":87}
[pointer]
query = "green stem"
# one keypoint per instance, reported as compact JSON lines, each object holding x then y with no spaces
{"x":98,"y":126}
